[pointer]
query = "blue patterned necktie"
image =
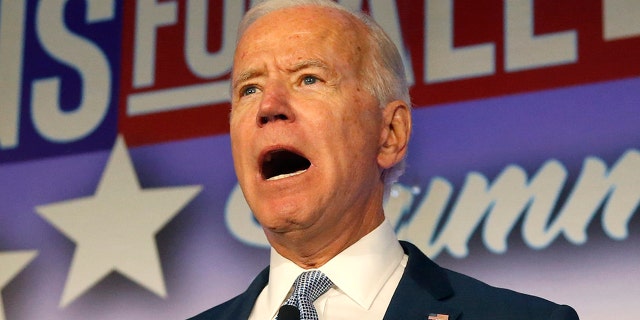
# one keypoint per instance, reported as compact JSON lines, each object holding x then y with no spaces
{"x":306,"y":289}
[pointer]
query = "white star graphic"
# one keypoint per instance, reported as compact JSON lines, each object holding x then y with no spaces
{"x":11,"y":263}
{"x":114,"y":230}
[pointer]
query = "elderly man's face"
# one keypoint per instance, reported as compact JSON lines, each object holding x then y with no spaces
{"x":305,"y":132}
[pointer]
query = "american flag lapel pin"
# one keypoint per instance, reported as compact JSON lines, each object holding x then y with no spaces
{"x":438,"y":316}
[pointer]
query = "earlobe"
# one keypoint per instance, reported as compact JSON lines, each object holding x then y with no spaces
{"x":395,"y":135}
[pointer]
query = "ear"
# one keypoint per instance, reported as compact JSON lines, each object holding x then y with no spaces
{"x":394,"y":137}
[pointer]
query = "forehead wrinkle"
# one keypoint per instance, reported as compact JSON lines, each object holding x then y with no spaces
{"x":343,"y":29}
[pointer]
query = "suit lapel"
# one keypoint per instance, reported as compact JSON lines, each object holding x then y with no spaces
{"x":242,"y":306}
{"x":422,"y":289}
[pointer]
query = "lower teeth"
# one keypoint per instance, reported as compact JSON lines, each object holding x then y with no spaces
{"x":282,"y":176}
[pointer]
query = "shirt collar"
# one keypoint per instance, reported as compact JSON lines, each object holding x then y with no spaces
{"x":359,"y":271}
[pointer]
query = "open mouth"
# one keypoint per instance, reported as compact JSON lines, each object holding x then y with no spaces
{"x":281,"y":163}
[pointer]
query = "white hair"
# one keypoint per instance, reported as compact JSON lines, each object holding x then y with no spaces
{"x":385,"y":78}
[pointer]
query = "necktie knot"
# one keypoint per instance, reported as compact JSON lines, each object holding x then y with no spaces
{"x":307,"y":288}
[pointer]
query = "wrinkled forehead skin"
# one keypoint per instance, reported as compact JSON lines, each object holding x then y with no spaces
{"x":313,"y":29}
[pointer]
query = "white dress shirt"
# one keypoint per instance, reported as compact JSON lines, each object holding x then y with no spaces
{"x":365,"y":276}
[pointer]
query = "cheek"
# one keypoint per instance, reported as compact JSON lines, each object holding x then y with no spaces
{"x":240,"y":125}
{"x":365,"y":124}
{"x":235,"y":117}
{"x":358,"y":145}
{"x":236,"y":153}
{"x":240,"y":147}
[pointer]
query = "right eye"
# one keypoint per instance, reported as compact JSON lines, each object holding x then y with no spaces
{"x":247,"y":90}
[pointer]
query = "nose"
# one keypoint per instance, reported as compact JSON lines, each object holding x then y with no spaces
{"x":275,"y":106}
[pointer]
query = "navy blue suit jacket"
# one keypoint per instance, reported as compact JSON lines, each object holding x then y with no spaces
{"x":426,"y":288}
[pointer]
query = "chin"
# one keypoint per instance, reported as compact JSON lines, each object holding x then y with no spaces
{"x":285,"y":219}
{"x":273,"y":216}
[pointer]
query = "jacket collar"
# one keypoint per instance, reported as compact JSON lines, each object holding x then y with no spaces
{"x":422,"y":290}
{"x":243,"y":305}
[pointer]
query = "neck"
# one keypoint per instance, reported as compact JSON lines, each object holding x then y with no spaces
{"x":311,"y":250}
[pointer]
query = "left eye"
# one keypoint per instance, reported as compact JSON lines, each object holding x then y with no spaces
{"x":308,"y":80}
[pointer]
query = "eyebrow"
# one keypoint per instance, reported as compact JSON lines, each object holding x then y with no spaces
{"x":308,"y":63}
{"x":244,"y":76}
{"x":300,"y":65}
